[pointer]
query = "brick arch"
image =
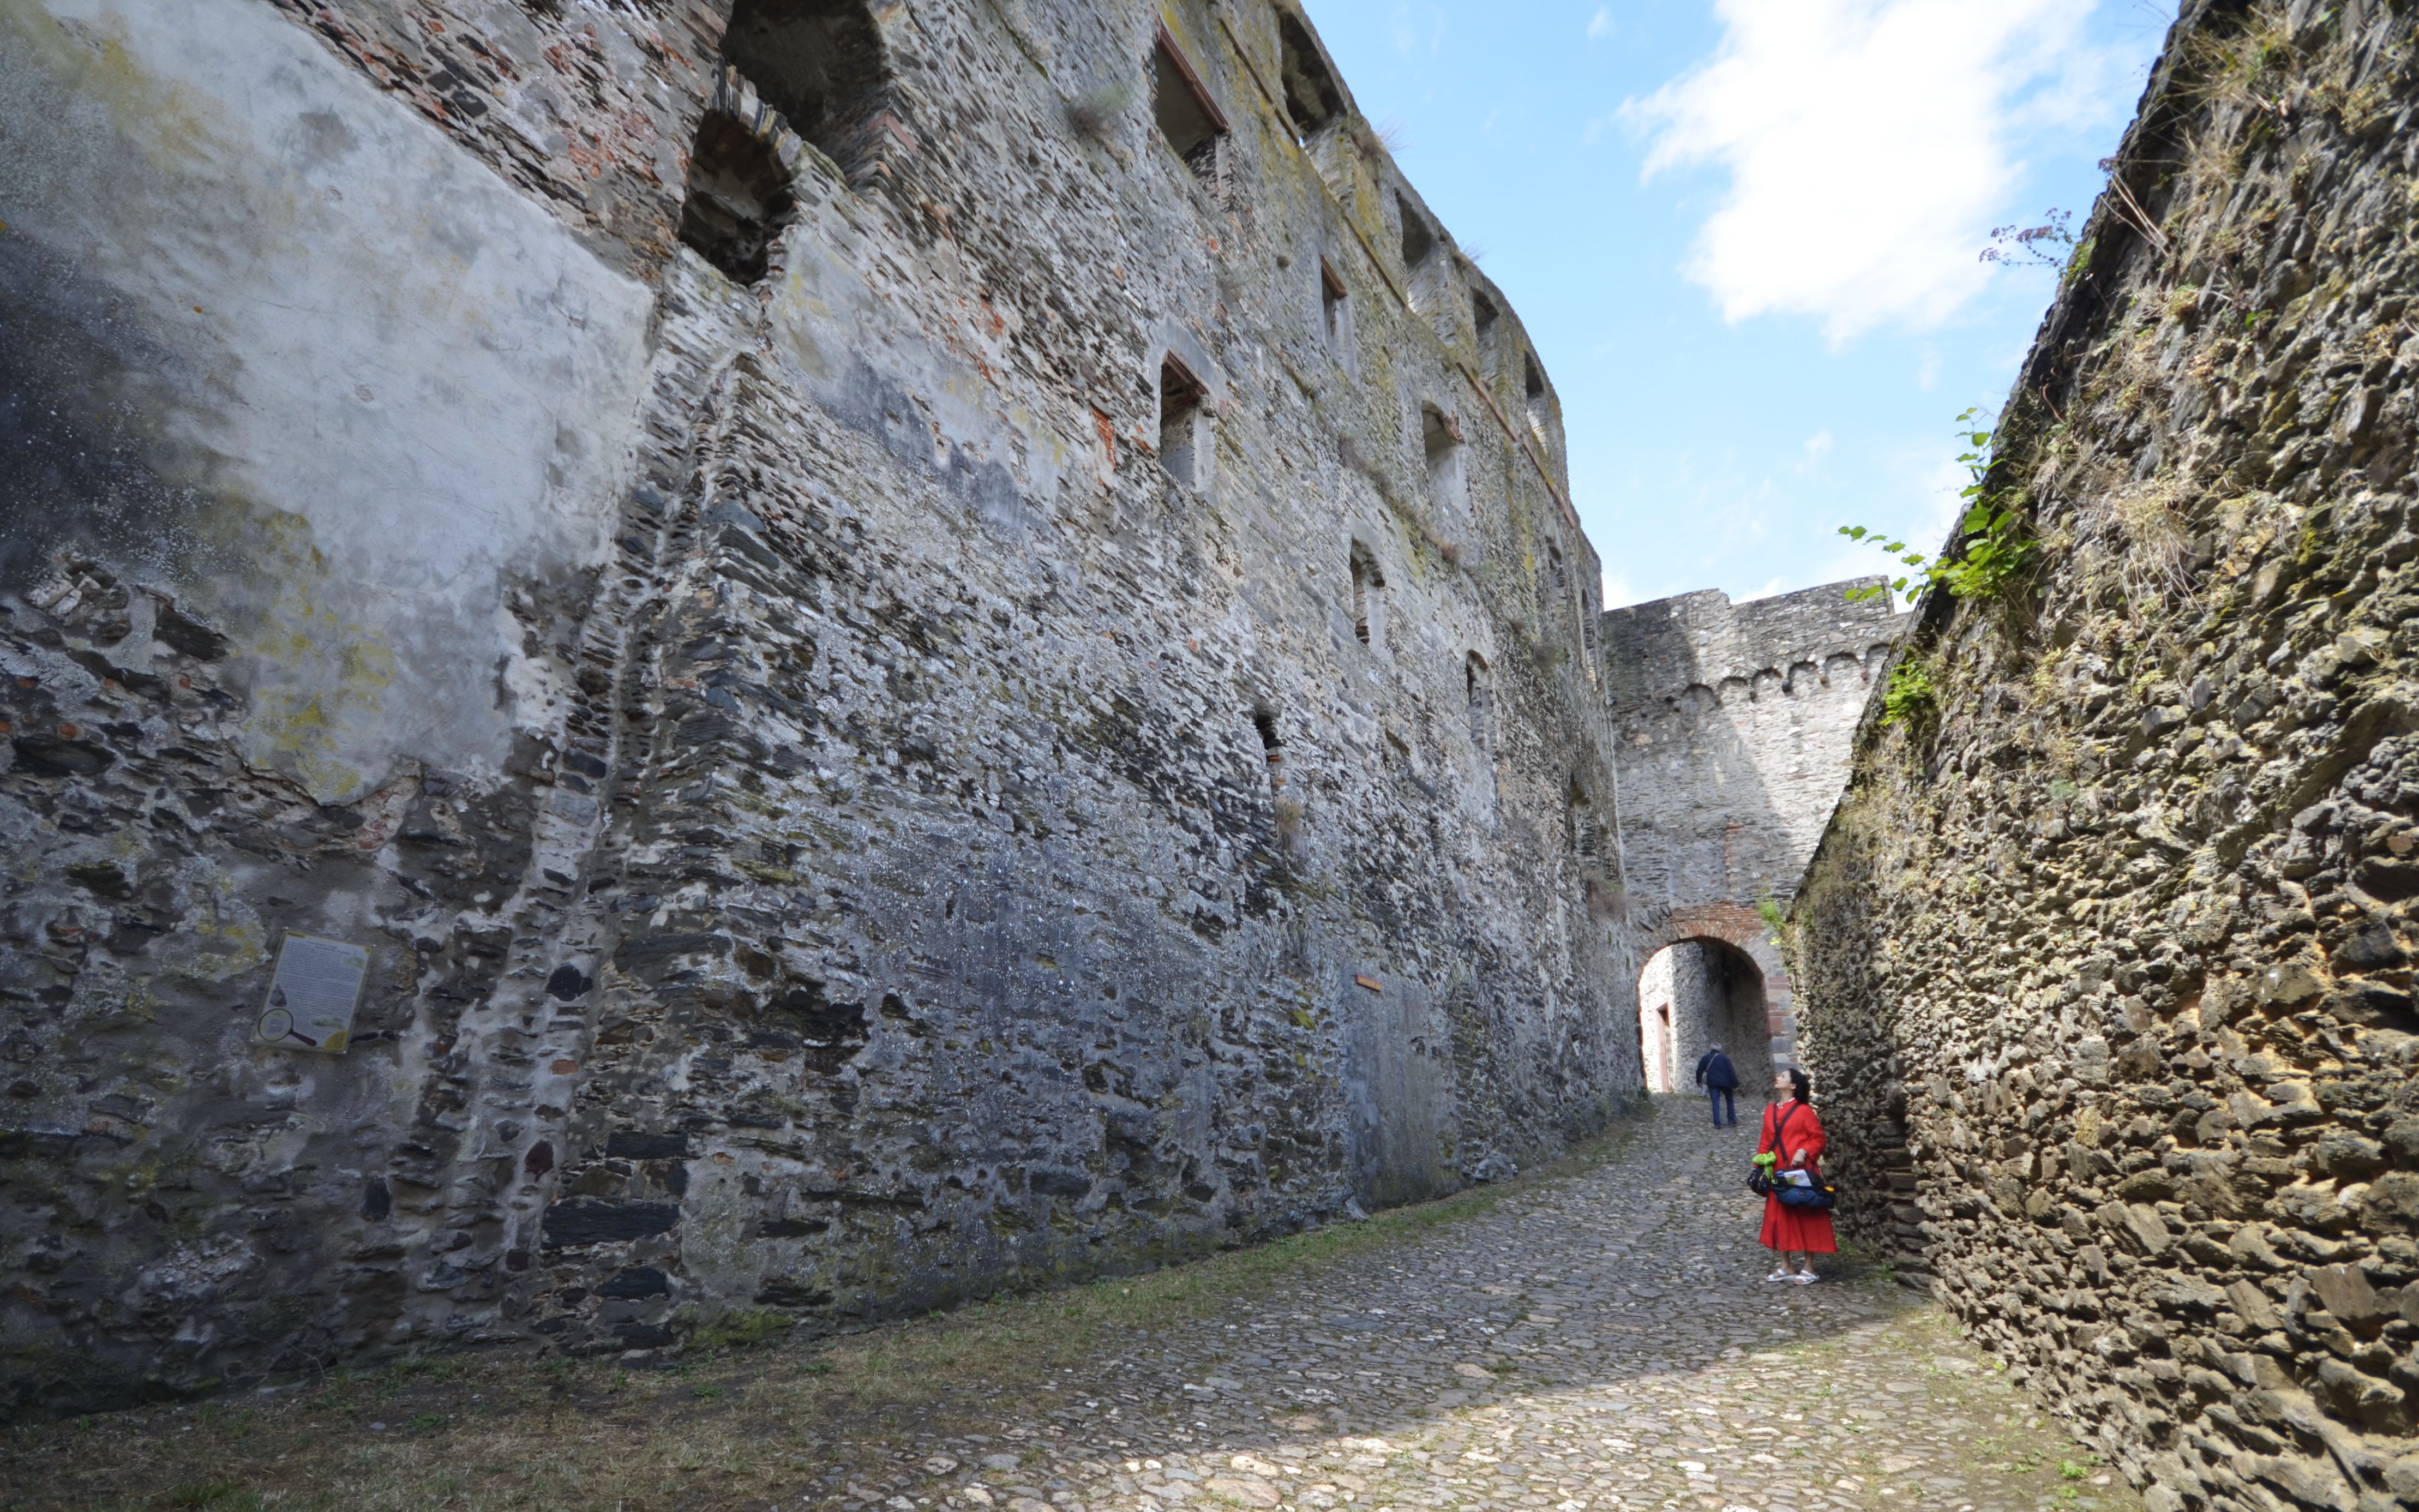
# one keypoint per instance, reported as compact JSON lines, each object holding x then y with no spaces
{"x":1742,"y":929}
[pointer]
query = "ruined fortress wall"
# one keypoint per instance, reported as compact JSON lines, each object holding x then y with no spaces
{"x":853,"y":795}
{"x":1732,"y":735}
{"x":2107,"y":960}
{"x":1735,"y":722}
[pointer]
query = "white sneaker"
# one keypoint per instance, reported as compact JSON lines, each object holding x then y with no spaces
{"x":1781,"y":1275}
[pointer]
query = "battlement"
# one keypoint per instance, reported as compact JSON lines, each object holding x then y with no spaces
{"x":1732,"y":729}
{"x":1683,"y":649}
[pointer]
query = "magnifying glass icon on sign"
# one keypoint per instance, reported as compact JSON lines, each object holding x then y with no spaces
{"x":277,"y":1024}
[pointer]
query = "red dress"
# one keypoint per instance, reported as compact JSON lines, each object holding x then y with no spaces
{"x":1796,"y":1230}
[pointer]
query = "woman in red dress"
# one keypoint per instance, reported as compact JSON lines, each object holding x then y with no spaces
{"x":1794,"y":1135}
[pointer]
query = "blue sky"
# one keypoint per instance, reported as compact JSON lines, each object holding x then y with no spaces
{"x":1745,"y":236}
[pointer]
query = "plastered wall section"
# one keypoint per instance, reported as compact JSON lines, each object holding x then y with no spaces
{"x":2107,"y":958}
{"x":838,"y":827}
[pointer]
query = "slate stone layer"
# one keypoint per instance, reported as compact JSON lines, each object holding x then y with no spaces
{"x":840,"y":826}
{"x":2106,"y":960}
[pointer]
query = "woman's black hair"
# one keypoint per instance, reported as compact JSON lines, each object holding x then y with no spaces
{"x":1801,"y":1086}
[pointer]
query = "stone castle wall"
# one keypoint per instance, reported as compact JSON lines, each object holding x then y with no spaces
{"x":925,"y":696}
{"x":1734,"y":726}
{"x":2107,"y":958}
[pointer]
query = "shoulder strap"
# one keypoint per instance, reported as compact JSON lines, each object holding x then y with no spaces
{"x":1781,"y":1112}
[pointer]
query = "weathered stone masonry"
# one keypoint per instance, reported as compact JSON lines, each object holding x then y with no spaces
{"x":2107,"y":960}
{"x":1734,"y":726}
{"x":939,"y":648}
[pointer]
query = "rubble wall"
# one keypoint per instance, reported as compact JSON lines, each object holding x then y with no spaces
{"x":2106,"y":957}
{"x":843,"y":817}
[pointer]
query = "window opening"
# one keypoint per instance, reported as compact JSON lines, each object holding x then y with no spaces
{"x":1533,"y":380}
{"x":738,"y":198}
{"x":1187,"y":116}
{"x":1441,"y":439}
{"x":1556,"y":576}
{"x":1311,"y":97}
{"x":1273,"y":748}
{"x":1334,"y":306}
{"x":1183,"y":429}
{"x":819,"y":62}
{"x":1367,"y":580}
{"x":1585,"y":832}
{"x":1481,"y":689}
{"x":1419,"y":242}
{"x":1483,"y":315}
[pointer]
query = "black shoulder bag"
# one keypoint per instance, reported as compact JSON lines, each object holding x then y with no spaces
{"x":1818,"y":1193}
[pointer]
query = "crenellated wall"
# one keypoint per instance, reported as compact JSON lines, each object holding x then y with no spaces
{"x":1732,"y":728}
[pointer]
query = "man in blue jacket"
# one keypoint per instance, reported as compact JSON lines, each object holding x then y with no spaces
{"x":1719,"y":1079}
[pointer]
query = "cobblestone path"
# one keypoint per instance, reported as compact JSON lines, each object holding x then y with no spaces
{"x":1605,"y":1342}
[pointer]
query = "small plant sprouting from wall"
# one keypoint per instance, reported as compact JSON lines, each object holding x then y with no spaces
{"x":1607,"y":903}
{"x":1776,"y":917}
{"x":1996,"y":545}
{"x":1912,"y":697}
{"x":1095,"y":114}
{"x":1289,"y":815}
{"x":2046,"y":246}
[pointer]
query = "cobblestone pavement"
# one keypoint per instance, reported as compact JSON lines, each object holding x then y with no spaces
{"x":1600,"y":1343}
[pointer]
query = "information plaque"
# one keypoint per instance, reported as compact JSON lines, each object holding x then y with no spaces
{"x":312,"y":999}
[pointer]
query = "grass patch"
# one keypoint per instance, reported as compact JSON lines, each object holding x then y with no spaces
{"x":755,"y":1419}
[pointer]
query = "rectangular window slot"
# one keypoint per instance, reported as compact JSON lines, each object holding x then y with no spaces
{"x":1334,"y":306}
{"x":1266,"y":723}
{"x":1187,"y":116}
{"x":1184,"y":438}
{"x":1480,"y":689}
{"x":1367,"y":583}
{"x":1441,"y":438}
{"x":1419,"y":242}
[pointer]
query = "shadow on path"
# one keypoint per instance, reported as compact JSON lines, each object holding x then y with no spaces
{"x":1597,"y":1341}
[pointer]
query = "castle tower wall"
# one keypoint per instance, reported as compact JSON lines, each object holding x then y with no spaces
{"x":960,"y":665}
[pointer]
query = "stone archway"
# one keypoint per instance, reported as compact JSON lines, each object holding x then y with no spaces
{"x":1746,"y":967}
{"x":1694,"y":996}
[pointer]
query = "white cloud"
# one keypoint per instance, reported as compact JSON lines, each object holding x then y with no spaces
{"x":1818,"y":446}
{"x":1617,"y":592}
{"x":1600,"y":24}
{"x":1868,"y":144}
{"x":1414,"y":29}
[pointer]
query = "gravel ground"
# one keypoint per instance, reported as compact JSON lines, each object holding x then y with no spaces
{"x":1602,"y":1342}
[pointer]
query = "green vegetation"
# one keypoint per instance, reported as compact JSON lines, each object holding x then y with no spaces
{"x":1767,"y":908}
{"x":1996,"y":546}
{"x":1911,"y":698}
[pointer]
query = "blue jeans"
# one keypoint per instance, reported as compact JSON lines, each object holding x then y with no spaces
{"x":1719,"y":1097}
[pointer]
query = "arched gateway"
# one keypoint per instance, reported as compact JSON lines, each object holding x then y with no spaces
{"x":1713,"y":977}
